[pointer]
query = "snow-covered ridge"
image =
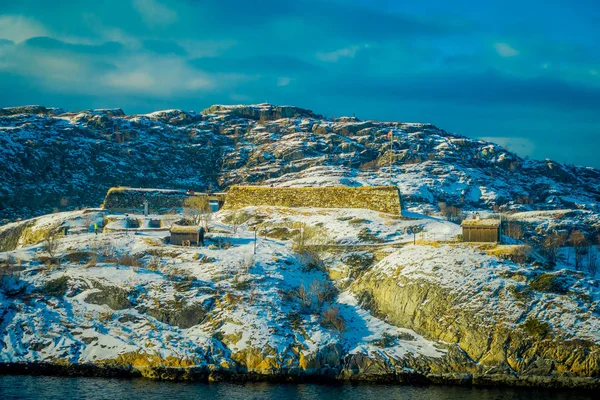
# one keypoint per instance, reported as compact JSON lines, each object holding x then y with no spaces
{"x":63,"y":160}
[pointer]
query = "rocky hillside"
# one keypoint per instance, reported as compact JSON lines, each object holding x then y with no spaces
{"x":364,"y":303}
{"x":52,"y":160}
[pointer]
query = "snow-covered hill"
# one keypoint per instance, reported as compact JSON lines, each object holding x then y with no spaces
{"x":372,"y":306}
{"x":56,"y":160}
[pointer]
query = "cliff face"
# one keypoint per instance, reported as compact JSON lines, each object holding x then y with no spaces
{"x":501,"y":323}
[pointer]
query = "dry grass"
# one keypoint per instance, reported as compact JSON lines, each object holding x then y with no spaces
{"x":332,"y":319}
{"x":516,"y":253}
{"x":426,"y":242}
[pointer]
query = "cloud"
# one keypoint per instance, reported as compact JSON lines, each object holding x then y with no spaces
{"x":154,"y":13}
{"x":18,"y":28}
{"x":283,"y":81}
{"x":258,"y":64}
{"x":168,"y":47}
{"x":50,"y":44}
{"x":159,"y":76}
{"x":490,"y":87}
{"x":346,"y":52}
{"x":505,"y":50}
{"x":138,"y":81}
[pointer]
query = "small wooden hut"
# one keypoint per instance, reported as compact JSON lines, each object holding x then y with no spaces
{"x":184,"y":235}
{"x":481,"y":230}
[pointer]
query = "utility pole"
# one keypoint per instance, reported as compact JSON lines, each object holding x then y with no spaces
{"x":391,"y":135}
{"x":254,"y":240}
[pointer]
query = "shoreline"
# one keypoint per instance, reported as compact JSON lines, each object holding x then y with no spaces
{"x":207,"y":374}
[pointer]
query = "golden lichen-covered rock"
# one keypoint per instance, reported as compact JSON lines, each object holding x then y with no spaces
{"x":140,"y":359}
{"x":481,"y":334}
{"x":153,"y":366}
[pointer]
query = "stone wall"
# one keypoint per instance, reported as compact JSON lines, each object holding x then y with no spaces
{"x":119,"y":199}
{"x":378,"y":198}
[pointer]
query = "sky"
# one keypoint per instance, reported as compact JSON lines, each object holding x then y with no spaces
{"x":524,"y":74}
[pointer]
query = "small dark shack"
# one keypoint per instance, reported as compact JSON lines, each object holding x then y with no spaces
{"x":481,"y":230}
{"x":185,"y":235}
{"x":132,"y":223}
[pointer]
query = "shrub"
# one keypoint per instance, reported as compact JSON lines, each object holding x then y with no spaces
{"x":241,"y":283}
{"x":314,"y":296}
{"x":79,"y":257}
{"x":221,"y":243}
{"x":367,"y":301}
{"x":520,"y":294}
{"x":450,"y":212}
{"x":406,"y":336}
{"x":549,"y":283}
{"x":331,"y":319}
{"x":324,"y":292}
{"x":359,"y":260}
{"x":108,"y":250}
{"x":311,"y":261}
{"x":358,"y":221}
{"x":129,"y":260}
{"x":105,"y":317}
{"x":366,"y":235}
{"x":154,"y":263}
{"x":92,"y":261}
{"x":10,"y":282}
{"x":295,"y":320}
{"x":56,"y":287}
{"x":280,"y":233}
{"x":369,"y":166}
{"x":184,"y":285}
{"x":314,"y":238}
{"x":536,"y":328}
{"x":303,"y":296}
{"x":202,"y":259}
{"x":248,"y":262}
{"x":387,"y":340}
{"x":50,"y":245}
{"x":236,"y":219}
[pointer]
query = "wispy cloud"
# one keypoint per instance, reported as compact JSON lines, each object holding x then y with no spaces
{"x":336,"y":55}
{"x":283,"y":81}
{"x":155,"y":13}
{"x":505,"y":49}
{"x":18,"y":28}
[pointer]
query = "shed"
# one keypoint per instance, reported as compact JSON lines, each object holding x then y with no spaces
{"x":181,"y":235}
{"x":154,"y":223}
{"x":481,"y":230}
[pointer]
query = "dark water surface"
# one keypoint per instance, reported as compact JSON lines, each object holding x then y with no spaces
{"x":49,"y":387}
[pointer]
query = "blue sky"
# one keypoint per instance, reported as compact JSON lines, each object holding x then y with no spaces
{"x":525,"y":74}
